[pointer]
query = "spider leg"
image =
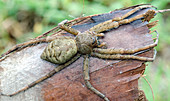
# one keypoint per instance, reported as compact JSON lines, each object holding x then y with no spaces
{"x":24,"y":45}
{"x":103,"y":44}
{"x":131,"y":12}
{"x":122,"y":57}
{"x":31,"y":43}
{"x":87,"y":78}
{"x":51,"y":73}
{"x":68,"y":29}
{"x":128,"y":51}
{"x":147,"y":17}
{"x":114,"y":24}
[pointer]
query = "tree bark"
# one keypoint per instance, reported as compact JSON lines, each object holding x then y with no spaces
{"x":117,"y":79}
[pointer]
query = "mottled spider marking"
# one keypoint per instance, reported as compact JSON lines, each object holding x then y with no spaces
{"x":60,"y":50}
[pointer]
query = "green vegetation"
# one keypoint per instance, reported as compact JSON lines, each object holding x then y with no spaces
{"x":21,"y":20}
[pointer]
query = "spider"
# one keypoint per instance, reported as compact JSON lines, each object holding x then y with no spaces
{"x":64,"y":50}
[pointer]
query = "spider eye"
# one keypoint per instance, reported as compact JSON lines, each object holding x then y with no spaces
{"x":98,"y":42}
{"x":94,"y":41}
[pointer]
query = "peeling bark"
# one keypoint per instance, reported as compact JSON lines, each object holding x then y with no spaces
{"x":117,"y":79}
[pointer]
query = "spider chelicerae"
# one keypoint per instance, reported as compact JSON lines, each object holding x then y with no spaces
{"x":64,"y":50}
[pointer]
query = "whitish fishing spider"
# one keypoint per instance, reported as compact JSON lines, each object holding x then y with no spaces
{"x":65,"y":50}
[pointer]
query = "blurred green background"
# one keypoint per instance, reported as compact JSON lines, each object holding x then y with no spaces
{"x":21,"y":20}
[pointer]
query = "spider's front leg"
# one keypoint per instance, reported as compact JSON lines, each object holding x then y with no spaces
{"x":108,"y":53}
{"x":126,"y":51}
{"x":131,"y":12}
{"x":114,"y":24}
{"x":87,"y":78}
{"x":123,"y":57}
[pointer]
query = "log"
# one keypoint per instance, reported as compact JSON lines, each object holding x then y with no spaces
{"x":117,"y":79}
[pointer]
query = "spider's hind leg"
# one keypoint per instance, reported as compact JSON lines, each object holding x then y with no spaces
{"x":51,"y":73}
{"x":26,"y":44}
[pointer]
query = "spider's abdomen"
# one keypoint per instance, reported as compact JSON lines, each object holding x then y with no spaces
{"x":60,"y":50}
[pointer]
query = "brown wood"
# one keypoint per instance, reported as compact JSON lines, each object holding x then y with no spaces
{"x":118,"y":80}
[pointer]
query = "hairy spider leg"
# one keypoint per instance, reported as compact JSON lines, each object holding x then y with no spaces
{"x":128,"y":51}
{"x":124,"y":57}
{"x":152,"y":24}
{"x":30,"y":43}
{"x":131,"y":12}
{"x":51,"y":73}
{"x":87,"y":78}
{"x":103,"y":44}
{"x":23,"y":45}
{"x":150,"y":14}
{"x":114,"y":24}
{"x":68,"y":29}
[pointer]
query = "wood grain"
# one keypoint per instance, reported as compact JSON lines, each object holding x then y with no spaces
{"x":117,"y":79}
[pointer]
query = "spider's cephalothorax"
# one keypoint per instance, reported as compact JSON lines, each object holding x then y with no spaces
{"x":65,"y":50}
{"x":85,"y":42}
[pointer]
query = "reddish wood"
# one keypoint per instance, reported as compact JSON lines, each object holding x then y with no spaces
{"x":118,"y":80}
